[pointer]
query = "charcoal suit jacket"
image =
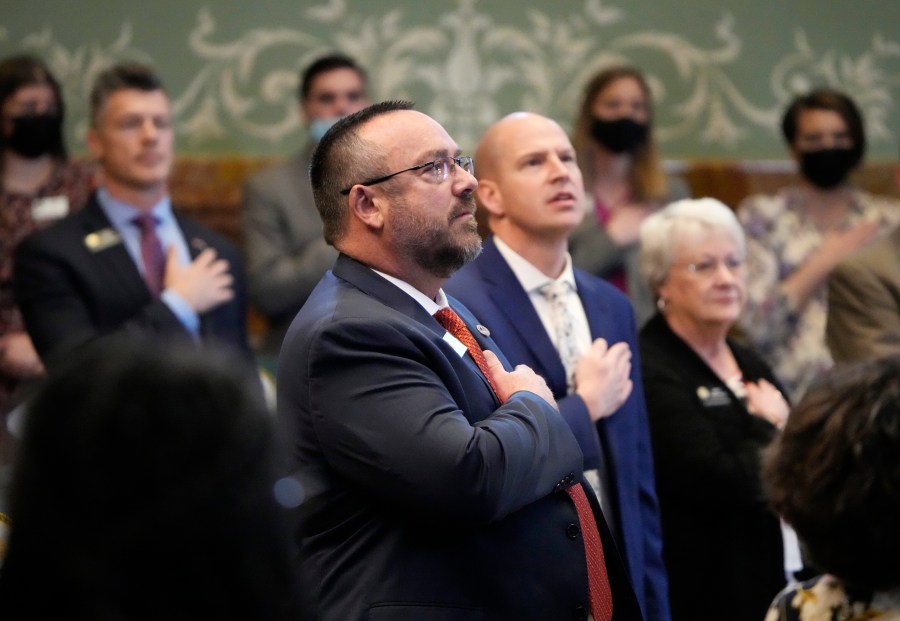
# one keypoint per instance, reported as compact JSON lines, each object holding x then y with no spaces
{"x":423,"y":497}
{"x":75,"y":282}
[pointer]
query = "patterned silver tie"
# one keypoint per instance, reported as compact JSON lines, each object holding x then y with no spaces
{"x":557,"y":294}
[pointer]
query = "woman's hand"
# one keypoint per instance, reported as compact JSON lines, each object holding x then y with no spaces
{"x":624,"y":225}
{"x":840,"y":243}
{"x":765,"y":401}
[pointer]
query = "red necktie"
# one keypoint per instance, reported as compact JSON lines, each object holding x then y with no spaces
{"x":151,"y":253}
{"x":452,"y":322}
{"x":598,"y":581}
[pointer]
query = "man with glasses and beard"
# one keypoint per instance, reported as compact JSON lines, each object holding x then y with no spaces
{"x":433,"y":482}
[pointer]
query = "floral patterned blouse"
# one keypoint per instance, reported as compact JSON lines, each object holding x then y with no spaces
{"x":65,"y":191}
{"x":825,"y":599}
{"x":779,"y":240}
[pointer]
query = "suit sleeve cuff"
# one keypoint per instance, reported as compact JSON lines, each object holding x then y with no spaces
{"x":575,"y":413}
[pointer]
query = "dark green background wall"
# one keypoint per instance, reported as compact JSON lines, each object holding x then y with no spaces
{"x":722,"y":71}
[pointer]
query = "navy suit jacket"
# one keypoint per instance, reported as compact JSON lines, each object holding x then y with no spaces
{"x":490,"y":289}
{"x":71,"y":291}
{"x":424,"y":498}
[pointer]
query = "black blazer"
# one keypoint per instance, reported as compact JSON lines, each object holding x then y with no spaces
{"x":72,"y":289}
{"x":722,"y":544}
{"x":425,"y":499}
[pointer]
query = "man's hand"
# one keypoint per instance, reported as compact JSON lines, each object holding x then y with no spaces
{"x":603,"y":378}
{"x":520,"y":378}
{"x":204,"y":284}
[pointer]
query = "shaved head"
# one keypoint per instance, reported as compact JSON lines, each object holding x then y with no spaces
{"x":497,"y":139}
{"x":529,"y":181}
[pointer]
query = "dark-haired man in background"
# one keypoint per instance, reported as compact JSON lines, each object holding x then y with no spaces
{"x":286,"y":255}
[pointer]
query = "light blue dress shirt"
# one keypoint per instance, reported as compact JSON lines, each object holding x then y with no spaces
{"x":121,"y":215}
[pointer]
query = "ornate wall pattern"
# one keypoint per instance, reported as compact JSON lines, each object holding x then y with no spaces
{"x":721,"y":72}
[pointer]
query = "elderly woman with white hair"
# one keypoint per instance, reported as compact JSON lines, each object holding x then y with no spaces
{"x":713,"y":405}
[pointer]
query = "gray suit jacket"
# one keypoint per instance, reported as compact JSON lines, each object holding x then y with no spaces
{"x":285,"y":252}
{"x":864,"y":303}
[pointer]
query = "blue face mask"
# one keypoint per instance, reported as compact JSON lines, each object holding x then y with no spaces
{"x":318,"y":127}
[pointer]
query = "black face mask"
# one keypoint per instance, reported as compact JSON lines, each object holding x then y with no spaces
{"x":622,"y":135}
{"x":34,"y":135}
{"x":826,"y":168}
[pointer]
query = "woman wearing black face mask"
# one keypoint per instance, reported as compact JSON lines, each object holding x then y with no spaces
{"x":38,"y":185}
{"x":798,"y":235}
{"x":613,"y":138}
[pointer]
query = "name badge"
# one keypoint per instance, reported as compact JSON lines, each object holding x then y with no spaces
{"x":713,"y":397}
{"x":102,"y":239}
{"x":456,"y":344}
{"x":49,"y":208}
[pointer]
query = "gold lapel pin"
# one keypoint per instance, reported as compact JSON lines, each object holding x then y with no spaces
{"x":102,"y":239}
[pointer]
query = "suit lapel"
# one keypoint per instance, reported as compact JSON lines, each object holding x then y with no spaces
{"x":114,"y":259}
{"x":373,"y":285}
{"x":513,"y":301}
{"x":595,"y":307}
{"x":363,"y":278}
{"x":193,"y":235}
{"x":196,"y":243}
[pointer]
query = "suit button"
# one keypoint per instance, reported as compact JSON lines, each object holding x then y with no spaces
{"x":581,"y":613}
{"x":572,"y":531}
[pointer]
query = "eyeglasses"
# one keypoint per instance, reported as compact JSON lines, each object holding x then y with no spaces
{"x":708,"y":267}
{"x":441,"y":168}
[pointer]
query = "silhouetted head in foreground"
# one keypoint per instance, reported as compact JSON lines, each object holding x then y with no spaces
{"x":143,"y":490}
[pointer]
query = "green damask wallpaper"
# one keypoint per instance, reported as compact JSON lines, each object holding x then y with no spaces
{"x":721,"y":71}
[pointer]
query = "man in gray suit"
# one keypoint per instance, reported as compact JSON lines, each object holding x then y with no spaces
{"x":864,"y":301}
{"x":285,"y":252}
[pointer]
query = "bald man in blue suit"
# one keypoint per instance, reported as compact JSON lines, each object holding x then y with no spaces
{"x":532,"y":190}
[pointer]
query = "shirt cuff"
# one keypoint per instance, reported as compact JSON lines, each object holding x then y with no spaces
{"x":182,"y":310}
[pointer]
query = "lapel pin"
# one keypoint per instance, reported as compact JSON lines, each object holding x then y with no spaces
{"x":483,"y":330}
{"x":102,"y":239}
{"x":199,"y":245}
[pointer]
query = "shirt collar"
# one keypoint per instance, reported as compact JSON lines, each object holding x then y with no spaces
{"x":530,"y":277}
{"x":430,"y":306}
{"x":121,"y":214}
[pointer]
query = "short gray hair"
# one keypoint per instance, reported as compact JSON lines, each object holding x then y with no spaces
{"x":662,"y":231}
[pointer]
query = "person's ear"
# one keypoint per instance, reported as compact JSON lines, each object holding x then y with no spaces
{"x":490,"y":197}
{"x":303,"y":113}
{"x":365,"y":207}
{"x":94,"y":143}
